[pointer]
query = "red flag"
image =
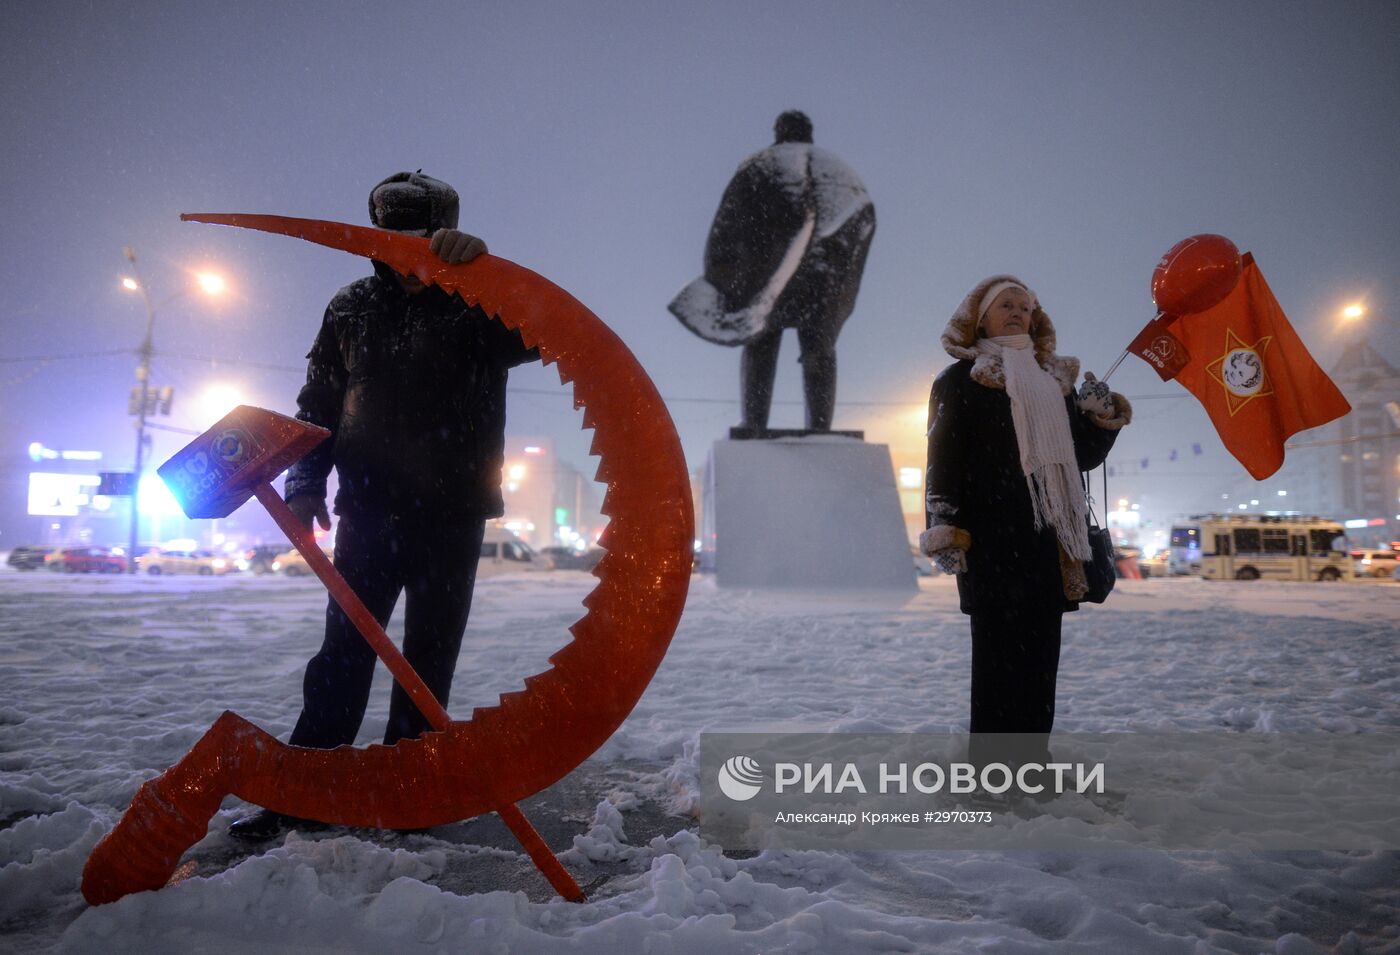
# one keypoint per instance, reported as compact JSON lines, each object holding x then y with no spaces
{"x":1157,"y":346}
{"x":1247,"y":366}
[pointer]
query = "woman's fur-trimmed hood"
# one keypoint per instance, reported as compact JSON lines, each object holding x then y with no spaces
{"x":960,"y":341}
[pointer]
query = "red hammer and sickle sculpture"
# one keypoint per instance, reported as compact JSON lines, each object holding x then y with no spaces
{"x":533,"y":737}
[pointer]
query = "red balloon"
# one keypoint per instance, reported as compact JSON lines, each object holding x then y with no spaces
{"x":1196,"y":274}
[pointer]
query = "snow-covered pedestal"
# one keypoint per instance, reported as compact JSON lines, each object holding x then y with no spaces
{"x":817,"y":512}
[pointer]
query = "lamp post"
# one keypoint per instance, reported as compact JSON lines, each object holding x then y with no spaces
{"x":211,"y":284}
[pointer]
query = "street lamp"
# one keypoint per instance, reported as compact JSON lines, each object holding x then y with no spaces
{"x":211,"y":284}
{"x":1357,"y":314}
{"x":217,"y":401}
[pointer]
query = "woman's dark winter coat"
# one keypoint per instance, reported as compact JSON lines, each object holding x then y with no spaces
{"x":975,"y":482}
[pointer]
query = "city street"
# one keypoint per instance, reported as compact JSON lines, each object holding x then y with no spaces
{"x":111,"y":679}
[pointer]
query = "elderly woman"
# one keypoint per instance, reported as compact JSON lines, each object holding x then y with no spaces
{"x":1005,"y":506}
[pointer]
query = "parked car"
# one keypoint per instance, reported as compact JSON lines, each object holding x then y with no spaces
{"x":258,"y":560}
{"x":290,"y":563}
{"x":85,"y":560}
{"x":1375,"y":563}
{"x":502,"y":552}
{"x":28,"y":556}
{"x":567,"y":558}
{"x":1125,"y":562}
{"x":157,"y":562}
{"x":1154,"y":566}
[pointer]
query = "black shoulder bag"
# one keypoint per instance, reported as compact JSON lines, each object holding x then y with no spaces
{"x":1099,"y":570}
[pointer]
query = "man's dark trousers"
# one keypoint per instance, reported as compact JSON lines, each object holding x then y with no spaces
{"x":433,"y":563}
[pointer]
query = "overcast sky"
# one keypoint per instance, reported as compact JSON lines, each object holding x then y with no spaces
{"x":1069,"y":143}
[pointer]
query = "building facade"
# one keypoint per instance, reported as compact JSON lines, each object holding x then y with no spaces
{"x":548,"y":501}
{"x":1349,"y":469}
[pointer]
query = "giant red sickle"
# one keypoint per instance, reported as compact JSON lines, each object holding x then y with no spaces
{"x":533,"y":737}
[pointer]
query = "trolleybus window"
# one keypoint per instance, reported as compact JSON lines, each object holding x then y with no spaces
{"x":1247,"y":541}
{"x":1275,"y":540}
{"x":1323,"y":541}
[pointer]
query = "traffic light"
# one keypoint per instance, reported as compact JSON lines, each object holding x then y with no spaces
{"x":158,"y":401}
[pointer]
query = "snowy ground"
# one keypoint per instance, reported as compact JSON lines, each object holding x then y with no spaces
{"x":107,"y":681}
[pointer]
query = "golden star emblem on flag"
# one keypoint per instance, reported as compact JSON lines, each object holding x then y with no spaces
{"x":1240,"y":371}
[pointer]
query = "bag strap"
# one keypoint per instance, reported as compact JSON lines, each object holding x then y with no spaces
{"x":1088,"y":495}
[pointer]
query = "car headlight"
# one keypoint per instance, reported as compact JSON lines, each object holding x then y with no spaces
{"x":220,"y":564}
{"x":276,"y":565}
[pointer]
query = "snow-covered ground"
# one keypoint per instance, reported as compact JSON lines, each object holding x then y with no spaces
{"x":107,"y":681}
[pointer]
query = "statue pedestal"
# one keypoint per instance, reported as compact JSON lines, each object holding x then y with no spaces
{"x":742,"y":433}
{"x":812,"y":513}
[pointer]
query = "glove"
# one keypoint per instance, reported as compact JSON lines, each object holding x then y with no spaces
{"x":307,"y":508}
{"x":454,"y":246}
{"x":1095,"y":398}
{"x":950,"y":560}
{"x":945,"y":546}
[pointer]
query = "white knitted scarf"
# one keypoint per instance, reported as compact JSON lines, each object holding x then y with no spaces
{"x":1044,"y":440}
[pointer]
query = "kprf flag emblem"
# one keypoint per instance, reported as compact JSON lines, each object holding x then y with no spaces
{"x":1248,"y":368}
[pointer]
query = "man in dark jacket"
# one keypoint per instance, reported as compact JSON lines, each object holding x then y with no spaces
{"x":411,"y":383}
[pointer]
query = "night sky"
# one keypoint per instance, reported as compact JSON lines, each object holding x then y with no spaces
{"x":1068,"y":143}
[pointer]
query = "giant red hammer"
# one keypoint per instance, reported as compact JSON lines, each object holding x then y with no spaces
{"x":217,"y":472}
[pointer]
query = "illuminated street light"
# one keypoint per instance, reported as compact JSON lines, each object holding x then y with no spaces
{"x":1358,"y":314}
{"x":515,"y":473}
{"x":217,"y":401}
{"x":209,"y":283}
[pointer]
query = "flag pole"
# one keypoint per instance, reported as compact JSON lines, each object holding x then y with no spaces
{"x":1114,"y":367}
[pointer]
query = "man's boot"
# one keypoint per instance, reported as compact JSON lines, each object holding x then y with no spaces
{"x":265,"y":824}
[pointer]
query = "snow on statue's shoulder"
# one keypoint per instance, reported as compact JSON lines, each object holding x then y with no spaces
{"x":837,"y":191}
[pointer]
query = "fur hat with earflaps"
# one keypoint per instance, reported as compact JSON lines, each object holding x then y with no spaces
{"x":411,"y":201}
